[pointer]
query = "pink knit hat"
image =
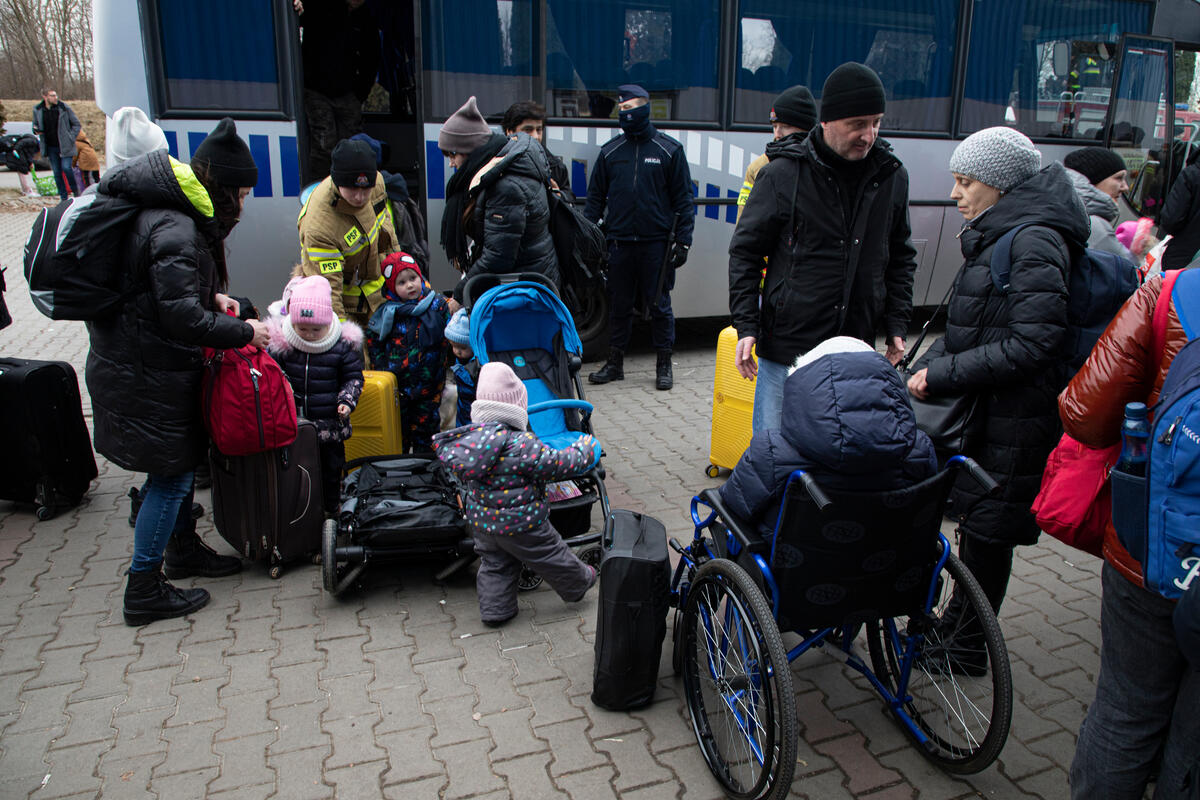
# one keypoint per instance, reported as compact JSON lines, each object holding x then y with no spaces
{"x":310,"y":303}
{"x":500,"y":396}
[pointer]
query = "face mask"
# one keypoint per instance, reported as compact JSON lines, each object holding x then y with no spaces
{"x":635,"y":120}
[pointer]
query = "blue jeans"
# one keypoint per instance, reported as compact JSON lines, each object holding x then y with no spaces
{"x":166,"y":508}
{"x":59,"y":164}
{"x":768,"y":395}
{"x":1147,"y":697}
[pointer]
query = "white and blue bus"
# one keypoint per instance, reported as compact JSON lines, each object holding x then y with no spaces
{"x":1068,"y":73}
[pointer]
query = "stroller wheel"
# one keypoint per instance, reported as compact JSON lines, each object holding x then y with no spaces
{"x":529,"y":579}
{"x":329,"y":576}
{"x":591,"y":556}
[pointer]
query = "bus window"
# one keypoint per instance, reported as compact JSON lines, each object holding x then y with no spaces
{"x":1046,"y":68}
{"x":217,"y":57}
{"x":1139,"y":131}
{"x":668,"y":48}
{"x":910,"y":43}
{"x":477,"y":47}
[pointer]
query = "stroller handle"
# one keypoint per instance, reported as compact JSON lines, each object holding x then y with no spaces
{"x":550,"y":405}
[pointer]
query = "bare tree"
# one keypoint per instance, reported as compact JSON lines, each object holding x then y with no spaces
{"x":46,"y":43}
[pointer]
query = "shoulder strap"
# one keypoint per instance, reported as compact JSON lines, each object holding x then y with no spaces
{"x":1162,"y":309}
{"x":1001,"y":261}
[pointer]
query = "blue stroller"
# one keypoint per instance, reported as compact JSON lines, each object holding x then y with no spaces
{"x":520,"y":321}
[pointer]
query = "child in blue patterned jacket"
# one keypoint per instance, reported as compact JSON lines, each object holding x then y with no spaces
{"x":506,"y":468}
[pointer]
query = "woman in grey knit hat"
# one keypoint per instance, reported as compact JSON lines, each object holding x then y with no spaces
{"x":1005,"y":346}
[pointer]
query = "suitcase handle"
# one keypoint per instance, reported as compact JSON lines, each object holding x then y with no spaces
{"x":307,"y":494}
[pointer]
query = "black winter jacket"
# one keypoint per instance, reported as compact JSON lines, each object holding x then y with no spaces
{"x":848,"y":423}
{"x":794,"y":217}
{"x":145,"y":364}
{"x":322,"y":381}
{"x":1180,"y":217}
{"x":638,"y":185}
{"x":511,"y":217}
{"x":1008,"y":347}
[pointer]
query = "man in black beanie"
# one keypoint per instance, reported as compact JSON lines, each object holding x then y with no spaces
{"x":793,"y":112}
{"x":830,"y":214}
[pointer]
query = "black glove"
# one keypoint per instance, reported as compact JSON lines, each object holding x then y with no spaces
{"x":679,"y":254}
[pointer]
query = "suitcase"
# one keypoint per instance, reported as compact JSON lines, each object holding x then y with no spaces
{"x":375,"y":421}
{"x":47,"y":450}
{"x":631,"y":623}
{"x":269,"y":506}
{"x":733,"y":408}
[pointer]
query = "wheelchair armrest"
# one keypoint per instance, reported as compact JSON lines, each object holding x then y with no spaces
{"x":744,"y":533}
{"x":990,"y":487}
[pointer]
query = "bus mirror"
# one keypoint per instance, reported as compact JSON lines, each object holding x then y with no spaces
{"x":1062,"y":58}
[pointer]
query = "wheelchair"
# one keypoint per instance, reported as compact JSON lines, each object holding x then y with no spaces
{"x":840,"y":564}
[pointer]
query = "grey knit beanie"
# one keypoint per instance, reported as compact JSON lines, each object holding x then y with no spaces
{"x":465,"y":130}
{"x":1000,"y":157}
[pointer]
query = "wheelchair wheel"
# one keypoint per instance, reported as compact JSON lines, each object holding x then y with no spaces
{"x":959,"y":692}
{"x":738,"y":683}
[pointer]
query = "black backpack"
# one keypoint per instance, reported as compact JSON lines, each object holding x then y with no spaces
{"x":578,"y":242}
{"x":73,"y":262}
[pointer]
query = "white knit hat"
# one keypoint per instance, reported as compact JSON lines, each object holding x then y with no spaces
{"x":132,"y":134}
{"x":1000,"y":157}
{"x":500,"y":396}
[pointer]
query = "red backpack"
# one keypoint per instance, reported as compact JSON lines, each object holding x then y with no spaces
{"x":248,"y":403}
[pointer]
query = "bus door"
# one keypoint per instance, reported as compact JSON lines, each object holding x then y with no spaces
{"x":1141,"y":119}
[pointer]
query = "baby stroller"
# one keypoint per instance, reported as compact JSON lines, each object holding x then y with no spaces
{"x":838,"y":564}
{"x":520,"y":321}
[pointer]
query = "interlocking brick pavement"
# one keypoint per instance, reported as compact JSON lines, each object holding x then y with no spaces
{"x":397,"y":690}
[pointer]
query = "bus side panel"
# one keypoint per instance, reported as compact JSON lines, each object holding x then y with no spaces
{"x":119,"y":61}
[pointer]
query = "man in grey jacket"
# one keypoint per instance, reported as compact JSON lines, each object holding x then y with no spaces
{"x":57,"y":125}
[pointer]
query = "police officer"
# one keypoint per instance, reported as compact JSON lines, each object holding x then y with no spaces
{"x":642,"y":188}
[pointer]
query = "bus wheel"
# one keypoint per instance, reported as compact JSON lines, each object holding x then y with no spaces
{"x":591,"y":321}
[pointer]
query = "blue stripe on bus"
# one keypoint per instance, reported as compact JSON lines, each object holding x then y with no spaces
{"x":695,"y":193}
{"x":260,"y":151}
{"x":731,"y":211}
{"x":194,"y":140}
{"x":435,"y":170}
{"x":712,"y":211}
{"x":289,"y":166}
{"x":579,"y":177}
{"x":172,"y":143}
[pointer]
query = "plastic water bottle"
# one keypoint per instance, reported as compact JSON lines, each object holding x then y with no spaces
{"x":1135,"y":436}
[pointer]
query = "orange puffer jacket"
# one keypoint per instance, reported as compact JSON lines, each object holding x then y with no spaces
{"x":1121,"y":369}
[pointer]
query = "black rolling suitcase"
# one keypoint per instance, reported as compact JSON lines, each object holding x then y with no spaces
{"x":269,"y":505}
{"x":635,"y":585}
{"x":47,"y":450}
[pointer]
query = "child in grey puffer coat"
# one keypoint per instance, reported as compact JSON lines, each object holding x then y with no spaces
{"x":506,"y":468}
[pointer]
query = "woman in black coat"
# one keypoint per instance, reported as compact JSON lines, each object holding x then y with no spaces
{"x":145,"y":364}
{"x":1006,"y":346}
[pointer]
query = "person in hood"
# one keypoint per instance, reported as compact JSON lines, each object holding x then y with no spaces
{"x":322,"y":358}
{"x":506,"y":468}
{"x":848,"y":423}
{"x":407,"y":337}
{"x":497,"y":216}
{"x":642,"y":188}
{"x":794,"y":111}
{"x":1006,"y":347}
{"x":145,"y":364}
{"x":1098,"y":175}
{"x":830,"y":213}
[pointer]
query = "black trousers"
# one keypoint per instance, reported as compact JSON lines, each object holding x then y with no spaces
{"x":633,"y":269}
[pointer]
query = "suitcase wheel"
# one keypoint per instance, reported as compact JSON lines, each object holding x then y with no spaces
{"x":712,"y":471}
{"x":276,"y":571}
{"x":529,"y":579}
{"x":44,"y":513}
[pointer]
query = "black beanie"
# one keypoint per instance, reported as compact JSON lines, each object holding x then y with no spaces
{"x":795,"y":106}
{"x":852,"y":90}
{"x":353,"y":164}
{"x":1094,"y":163}
{"x":225,"y":157}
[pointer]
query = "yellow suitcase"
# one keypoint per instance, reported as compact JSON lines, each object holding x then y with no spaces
{"x":376,"y":419}
{"x":733,"y":408}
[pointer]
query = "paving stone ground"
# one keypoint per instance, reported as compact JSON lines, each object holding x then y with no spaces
{"x":396,"y":690}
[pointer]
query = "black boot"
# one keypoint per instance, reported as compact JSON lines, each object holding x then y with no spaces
{"x":613,"y":369}
{"x":149,"y":597}
{"x":662,"y":371}
{"x":188,"y":555}
{"x":135,"y":505}
{"x":203,"y":475}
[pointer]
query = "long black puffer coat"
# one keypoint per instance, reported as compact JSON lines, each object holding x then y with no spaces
{"x":512,"y":215}
{"x":1008,"y":347}
{"x":145,"y":364}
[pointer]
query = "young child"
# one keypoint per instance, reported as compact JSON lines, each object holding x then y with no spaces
{"x":506,"y":469}
{"x":465,"y":368}
{"x":406,"y":336}
{"x":323,"y":361}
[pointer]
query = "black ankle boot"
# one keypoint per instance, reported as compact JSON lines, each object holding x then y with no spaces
{"x":148,"y":597}
{"x":188,"y":555}
{"x":613,"y":369}
{"x":135,"y":505}
{"x":663,"y":378}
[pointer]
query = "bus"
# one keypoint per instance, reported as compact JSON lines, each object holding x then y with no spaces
{"x":1068,"y":73}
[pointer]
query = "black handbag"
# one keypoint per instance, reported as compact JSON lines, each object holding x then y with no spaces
{"x":952,"y":422}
